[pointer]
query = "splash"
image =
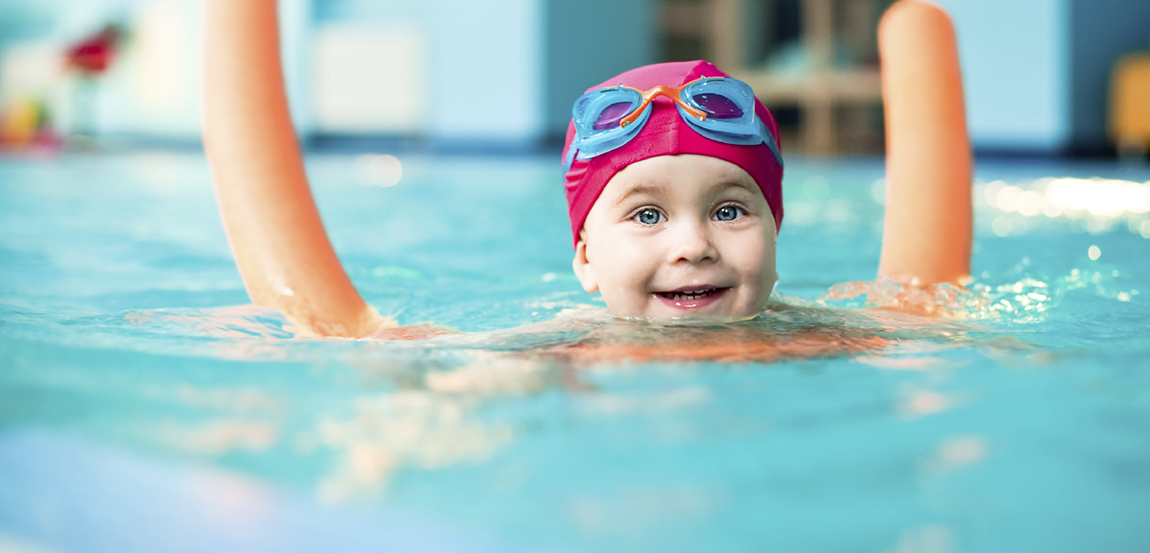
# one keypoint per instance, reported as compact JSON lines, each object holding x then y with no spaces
{"x":1025,"y":300}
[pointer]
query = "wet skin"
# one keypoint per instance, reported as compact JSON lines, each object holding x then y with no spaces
{"x":679,"y":236}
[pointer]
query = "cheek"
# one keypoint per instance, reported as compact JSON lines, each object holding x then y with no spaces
{"x":630,"y":261}
{"x":625,"y":264}
{"x":768,"y":275}
{"x":754,"y":255}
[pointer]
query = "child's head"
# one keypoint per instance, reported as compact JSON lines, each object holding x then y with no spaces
{"x":675,"y":215}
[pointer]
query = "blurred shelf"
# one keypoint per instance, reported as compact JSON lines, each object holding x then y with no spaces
{"x":843,"y":86}
{"x":822,"y":91}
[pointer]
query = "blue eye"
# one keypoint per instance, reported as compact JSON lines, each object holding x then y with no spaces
{"x":728,"y":213}
{"x":649,"y":217}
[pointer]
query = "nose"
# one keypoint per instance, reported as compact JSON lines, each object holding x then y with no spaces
{"x":692,"y":243}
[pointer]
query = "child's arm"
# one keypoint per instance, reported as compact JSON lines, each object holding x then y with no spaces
{"x":927,"y":234}
{"x":279,"y":242}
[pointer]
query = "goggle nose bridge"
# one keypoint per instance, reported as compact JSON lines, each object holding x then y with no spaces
{"x":673,"y":93}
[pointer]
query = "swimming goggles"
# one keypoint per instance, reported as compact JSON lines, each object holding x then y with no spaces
{"x":719,"y":108}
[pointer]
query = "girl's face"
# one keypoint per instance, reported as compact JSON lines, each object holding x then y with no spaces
{"x":679,"y":236}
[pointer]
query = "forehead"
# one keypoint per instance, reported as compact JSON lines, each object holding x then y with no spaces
{"x":684,"y":174}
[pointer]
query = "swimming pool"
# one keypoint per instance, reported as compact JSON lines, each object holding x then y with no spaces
{"x":139,"y":412}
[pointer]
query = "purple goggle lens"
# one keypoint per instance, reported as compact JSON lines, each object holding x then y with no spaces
{"x":717,"y":106}
{"x":610,"y":116}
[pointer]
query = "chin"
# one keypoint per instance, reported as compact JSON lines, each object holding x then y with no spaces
{"x":661,"y":310}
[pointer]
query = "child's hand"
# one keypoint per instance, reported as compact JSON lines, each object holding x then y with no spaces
{"x":908,"y":296}
{"x":413,"y":332}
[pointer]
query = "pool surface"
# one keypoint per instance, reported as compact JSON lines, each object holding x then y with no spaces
{"x":145,"y":407}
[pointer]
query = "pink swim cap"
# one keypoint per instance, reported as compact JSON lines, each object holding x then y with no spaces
{"x":667,"y":134}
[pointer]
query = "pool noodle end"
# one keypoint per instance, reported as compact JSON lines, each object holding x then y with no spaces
{"x":927,"y":229}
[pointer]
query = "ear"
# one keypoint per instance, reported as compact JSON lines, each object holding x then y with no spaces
{"x":582,"y":266}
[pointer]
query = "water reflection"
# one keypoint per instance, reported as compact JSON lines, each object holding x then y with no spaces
{"x":1094,"y":205}
{"x":423,"y":430}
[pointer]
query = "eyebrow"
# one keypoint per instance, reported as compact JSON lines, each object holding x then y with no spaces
{"x":638,"y":190}
{"x":653,"y":189}
{"x":738,"y":183}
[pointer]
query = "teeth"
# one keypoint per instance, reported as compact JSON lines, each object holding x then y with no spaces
{"x":687,"y":296}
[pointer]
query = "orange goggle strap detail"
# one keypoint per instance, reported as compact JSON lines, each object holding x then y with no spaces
{"x":662,"y":90}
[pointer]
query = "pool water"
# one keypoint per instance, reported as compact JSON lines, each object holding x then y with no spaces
{"x":144,"y":406}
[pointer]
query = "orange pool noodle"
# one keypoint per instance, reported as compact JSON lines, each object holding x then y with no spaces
{"x":927,"y":232}
{"x":275,"y":231}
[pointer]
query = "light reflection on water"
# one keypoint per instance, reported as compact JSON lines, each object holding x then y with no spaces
{"x":546,"y":424}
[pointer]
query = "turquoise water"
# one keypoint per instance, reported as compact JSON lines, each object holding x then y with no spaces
{"x":144,"y":407}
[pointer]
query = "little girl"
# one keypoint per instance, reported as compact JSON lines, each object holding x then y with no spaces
{"x":672,"y":172}
{"x":674,"y":189}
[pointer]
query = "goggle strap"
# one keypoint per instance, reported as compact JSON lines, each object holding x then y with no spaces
{"x":770,"y":141}
{"x":567,"y":163}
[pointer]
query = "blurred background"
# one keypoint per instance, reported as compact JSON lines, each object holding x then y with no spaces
{"x":137,"y":414}
{"x":500,"y":75}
